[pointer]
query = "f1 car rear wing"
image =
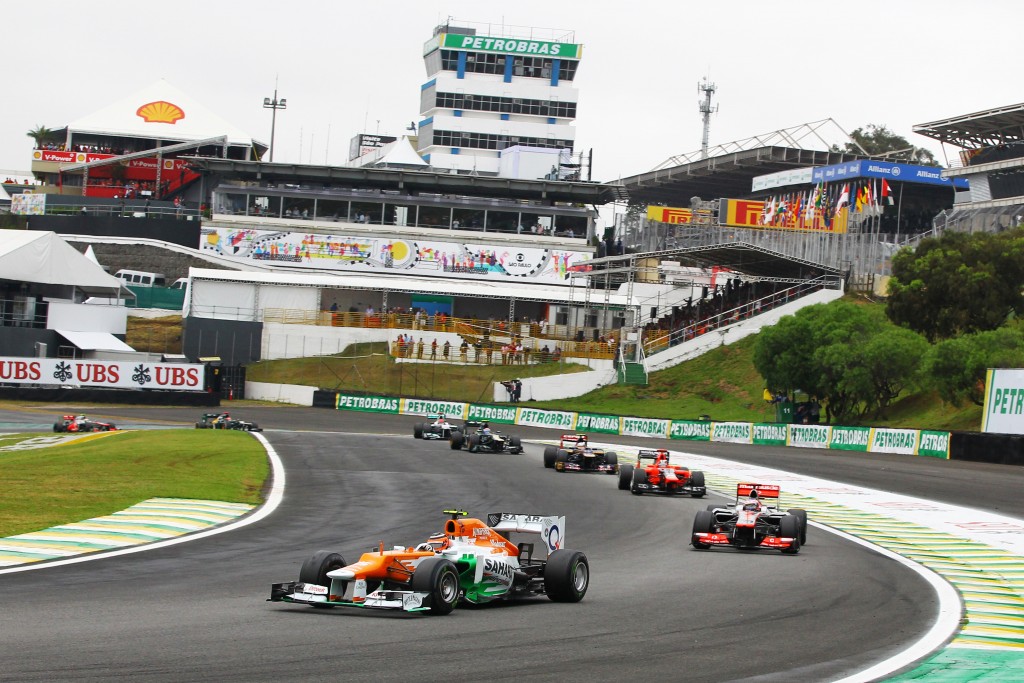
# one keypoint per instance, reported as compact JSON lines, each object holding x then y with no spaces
{"x":551,"y":529}
{"x":650,"y":454}
{"x":768,"y":493}
{"x":571,"y":439}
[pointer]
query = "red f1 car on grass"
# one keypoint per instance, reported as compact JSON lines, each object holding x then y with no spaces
{"x":753,"y":522}
{"x":653,"y":473}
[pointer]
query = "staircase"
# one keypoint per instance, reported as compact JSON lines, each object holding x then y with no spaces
{"x":632,"y":373}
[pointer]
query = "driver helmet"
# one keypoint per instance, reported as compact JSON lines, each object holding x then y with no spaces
{"x":485,"y":425}
{"x":752,"y":494}
{"x":581,"y":445}
{"x":440,"y":417}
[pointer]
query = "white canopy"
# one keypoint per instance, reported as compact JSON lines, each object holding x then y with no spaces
{"x":162,"y":112}
{"x":94,"y":341}
{"x":45,"y":258}
{"x":401,"y":153}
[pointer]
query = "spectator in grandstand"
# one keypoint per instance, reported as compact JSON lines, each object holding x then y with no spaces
{"x":464,"y":351}
{"x":419,"y":348}
{"x":433,"y":349}
{"x":446,"y":351}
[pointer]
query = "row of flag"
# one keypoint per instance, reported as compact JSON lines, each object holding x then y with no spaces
{"x":825,"y":202}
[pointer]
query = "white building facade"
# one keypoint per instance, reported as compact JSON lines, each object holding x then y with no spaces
{"x":495,"y":93}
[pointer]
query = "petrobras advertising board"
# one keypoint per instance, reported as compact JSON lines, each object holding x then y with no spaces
{"x":546,"y":418}
{"x":645,"y":426}
{"x":450,"y":409}
{"x":603,"y":424}
{"x":101,"y":373}
{"x":809,"y":436}
{"x":690,"y":431}
{"x":732,"y":432}
{"x":368,"y":404}
{"x":412,"y":256}
{"x":488,"y":413}
{"x":1004,"y":402}
{"x":893,"y":441}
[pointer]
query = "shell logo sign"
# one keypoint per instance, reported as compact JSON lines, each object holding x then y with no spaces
{"x":160,"y":112}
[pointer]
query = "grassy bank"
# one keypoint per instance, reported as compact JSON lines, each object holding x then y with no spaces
{"x":49,"y":486}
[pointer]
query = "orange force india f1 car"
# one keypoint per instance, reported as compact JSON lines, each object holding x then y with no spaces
{"x":469,"y":561}
{"x":575,"y":454}
{"x":654,"y":474}
{"x":753,"y":522}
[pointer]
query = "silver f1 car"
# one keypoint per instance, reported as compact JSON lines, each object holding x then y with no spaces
{"x":469,"y":561}
{"x":438,"y":428}
{"x":753,"y":522}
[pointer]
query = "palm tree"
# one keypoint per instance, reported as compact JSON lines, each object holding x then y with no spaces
{"x":40,"y":134}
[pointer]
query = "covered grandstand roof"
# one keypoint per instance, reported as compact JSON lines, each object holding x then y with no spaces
{"x":981,"y":129}
{"x":738,"y":257}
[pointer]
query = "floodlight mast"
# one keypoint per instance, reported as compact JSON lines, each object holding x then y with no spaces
{"x":706,"y":111}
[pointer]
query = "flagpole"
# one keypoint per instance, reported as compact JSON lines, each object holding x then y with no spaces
{"x":899,"y":210}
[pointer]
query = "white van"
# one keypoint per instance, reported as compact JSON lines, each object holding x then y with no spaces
{"x":139,"y":278}
{"x":180,"y":283}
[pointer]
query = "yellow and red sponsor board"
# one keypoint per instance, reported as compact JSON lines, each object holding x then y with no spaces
{"x":676,"y":215}
{"x":749,"y":213}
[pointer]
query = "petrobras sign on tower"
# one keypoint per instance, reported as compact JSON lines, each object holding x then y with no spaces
{"x":907,"y":173}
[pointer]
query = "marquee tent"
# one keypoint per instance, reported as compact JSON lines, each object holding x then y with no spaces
{"x":45,"y":258}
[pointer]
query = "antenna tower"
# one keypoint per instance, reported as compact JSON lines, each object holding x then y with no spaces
{"x":706,"y":110}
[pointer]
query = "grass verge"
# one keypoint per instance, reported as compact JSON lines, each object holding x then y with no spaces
{"x":49,"y":486}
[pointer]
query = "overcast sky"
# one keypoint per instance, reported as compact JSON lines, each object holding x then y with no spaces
{"x":351,"y":67}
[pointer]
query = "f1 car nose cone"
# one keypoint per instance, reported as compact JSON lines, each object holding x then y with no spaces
{"x":343,"y":574}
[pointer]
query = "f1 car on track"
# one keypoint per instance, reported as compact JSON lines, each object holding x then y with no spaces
{"x":470,"y":560}
{"x":483,"y":439}
{"x":754,"y":521}
{"x":653,"y":473}
{"x":575,"y":454}
{"x":439,"y":428}
{"x":225,"y":421}
{"x":80,"y":423}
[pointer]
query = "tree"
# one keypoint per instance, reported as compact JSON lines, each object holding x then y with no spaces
{"x":879,"y":141}
{"x":888,"y":363}
{"x":40,"y":134}
{"x":958,"y":283}
{"x":958,"y":367}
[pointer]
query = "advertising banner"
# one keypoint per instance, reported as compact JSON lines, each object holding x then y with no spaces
{"x":1004,"y":402}
{"x":101,"y":373}
{"x":893,"y":441}
{"x":516,"y":46}
{"x":770,"y":434}
{"x":690,"y":431}
{"x":934,"y":444}
{"x":603,"y":424}
{"x":28,"y":204}
{"x":368,"y":404}
{"x":677,"y":216}
{"x":864,"y":168}
{"x":748,"y":213}
{"x":644,"y":426}
{"x":809,"y":436}
{"x":501,"y":414}
{"x":732,"y":432}
{"x":532,"y":417}
{"x":365,"y":254}
{"x":416,"y":406}
{"x":850,"y":438}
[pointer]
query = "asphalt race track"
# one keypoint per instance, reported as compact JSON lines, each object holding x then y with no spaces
{"x":656,"y":609}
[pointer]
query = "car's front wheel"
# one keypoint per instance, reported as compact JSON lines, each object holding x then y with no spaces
{"x":550,"y":453}
{"x":702,"y":524}
{"x":314,"y":569}
{"x":697,"y":481}
{"x":625,"y":477}
{"x":438,"y":577}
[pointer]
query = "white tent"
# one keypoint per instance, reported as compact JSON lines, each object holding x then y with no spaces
{"x":401,"y":154}
{"x":162,"y":112}
{"x":45,"y":258}
{"x":4,"y":197}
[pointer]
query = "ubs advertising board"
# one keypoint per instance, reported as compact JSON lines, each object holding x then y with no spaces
{"x":100,"y":373}
{"x":1004,"y":402}
{"x":474,"y":260}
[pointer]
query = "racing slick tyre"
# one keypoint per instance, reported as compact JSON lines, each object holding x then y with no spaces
{"x":474,"y":443}
{"x":566,"y":576}
{"x":58,"y":427}
{"x":438,"y":577}
{"x":560,"y":459}
{"x":417,"y":431}
{"x":314,"y":569}
{"x":457,"y":440}
{"x":789,"y":526}
{"x":612,"y":458}
{"x":703,"y":521}
{"x":625,"y":477}
{"x":639,"y":477}
{"x":802,"y":516}
{"x":697,"y":479}
{"x":550,"y":453}
{"x":515,"y":444}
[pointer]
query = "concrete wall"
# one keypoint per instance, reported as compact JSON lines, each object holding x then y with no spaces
{"x":281,"y":393}
{"x":300,"y":341}
{"x":733,"y":333}
{"x":560,"y":386}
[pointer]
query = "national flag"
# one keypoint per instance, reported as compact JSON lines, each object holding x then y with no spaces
{"x":886,"y":192}
{"x":858,"y":200}
{"x":844,"y":198}
{"x":769,"y":211}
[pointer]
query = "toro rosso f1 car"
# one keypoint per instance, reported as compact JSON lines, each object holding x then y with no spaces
{"x":483,"y":439}
{"x":575,"y":454}
{"x":754,"y":521}
{"x":469,"y":561}
{"x":439,"y":428}
{"x":80,"y":423}
{"x":654,"y":474}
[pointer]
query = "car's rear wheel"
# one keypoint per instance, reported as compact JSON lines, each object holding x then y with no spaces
{"x":566,"y":575}
{"x":697,"y":479}
{"x":314,"y":570}
{"x":457,"y":439}
{"x":438,"y":577}
{"x":789,"y":527}
{"x":801,"y":515}
{"x":639,"y":477}
{"x":417,"y":431}
{"x":474,"y":443}
{"x":612,"y":458}
{"x":550,"y":453}
{"x":625,"y":477}
{"x":703,"y":522}
{"x":58,"y":427}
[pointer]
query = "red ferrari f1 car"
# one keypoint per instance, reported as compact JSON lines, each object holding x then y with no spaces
{"x":753,"y":522}
{"x":653,"y":473}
